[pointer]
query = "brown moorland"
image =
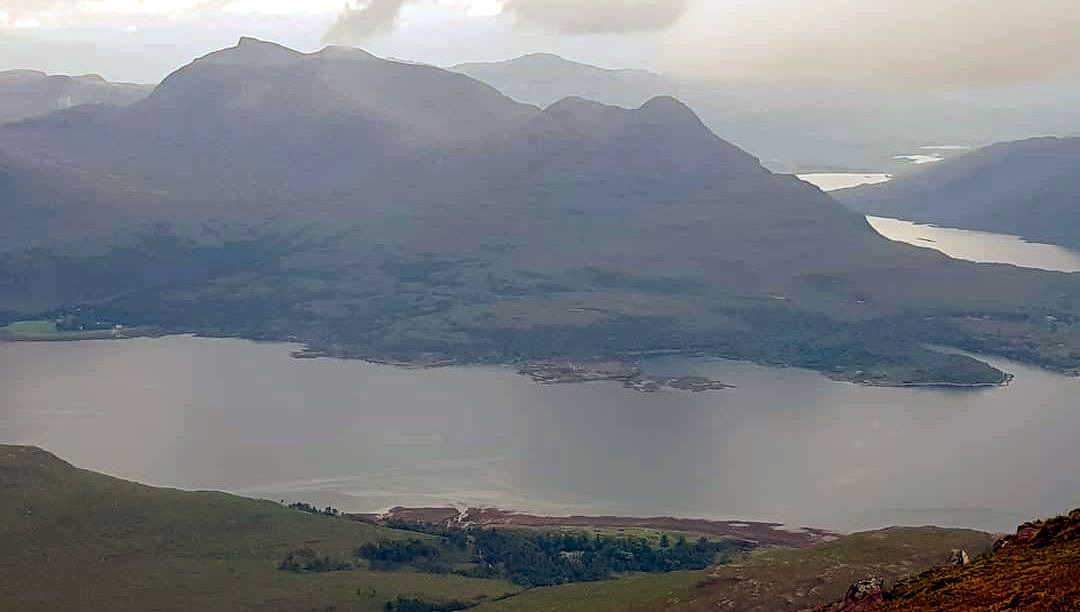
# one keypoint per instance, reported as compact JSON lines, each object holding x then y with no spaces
{"x":1038,"y":568}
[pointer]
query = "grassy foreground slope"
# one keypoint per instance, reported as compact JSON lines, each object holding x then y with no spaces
{"x":73,"y":539}
{"x":779,"y":579}
{"x":1037,"y":569}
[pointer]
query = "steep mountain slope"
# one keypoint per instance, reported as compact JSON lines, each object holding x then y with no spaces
{"x":28,"y":93}
{"x":380,"y":209}
{"x":1038,"y":568}
{"x":1029,"y":188}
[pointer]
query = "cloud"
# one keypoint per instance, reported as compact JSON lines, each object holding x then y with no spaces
{"x":903,"y":43}
{"x":900,"y":43}
{"x":358,"y":23}
{"x":598,"y":16}
{"x":67,"y":11}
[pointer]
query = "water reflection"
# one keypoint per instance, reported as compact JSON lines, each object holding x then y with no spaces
{"x":832,"y":181}
{"x":983,"y":247}
{"x":970,"y":245}
{"x":786,"y":444}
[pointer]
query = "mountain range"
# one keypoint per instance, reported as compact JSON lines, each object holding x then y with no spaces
{"x":1028,"y":188}
{"x":29,"y":93}
{"x":380,"y":209}
{"x":803,"y":127}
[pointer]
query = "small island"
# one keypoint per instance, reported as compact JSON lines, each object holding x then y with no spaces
{"x":630,"y":375}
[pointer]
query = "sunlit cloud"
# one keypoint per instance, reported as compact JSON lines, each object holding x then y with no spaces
{"x":906,"y":43}
{"x":58,"y":11}
{"x":137,"y":7}
{"x":358,"y":22}
{"x":476,"y":8}
{"x":284,"y":7}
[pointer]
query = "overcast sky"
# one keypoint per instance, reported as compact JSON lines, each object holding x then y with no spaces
{"x":935,"y":44}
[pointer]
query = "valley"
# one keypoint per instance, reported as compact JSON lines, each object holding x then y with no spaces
{"x":593,"y":251}
{"x":309,"y":328}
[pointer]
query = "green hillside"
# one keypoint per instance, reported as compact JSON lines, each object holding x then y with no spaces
{"x":74,"y":539}
{"x":71,"y":539}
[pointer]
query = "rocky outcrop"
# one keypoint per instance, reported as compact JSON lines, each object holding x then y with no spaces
{"x":959,"y":558}
{"x":863,"y":595}
{"x":1057,"y":530}
{"x":1024,"y":535}
{"x":1037,"y":568}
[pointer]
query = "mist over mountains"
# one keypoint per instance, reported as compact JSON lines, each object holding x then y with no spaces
{"x":375,"y":208}
{"x":28,"y":93}
{"x":801,"y":126}
{"x":1028,"y":188}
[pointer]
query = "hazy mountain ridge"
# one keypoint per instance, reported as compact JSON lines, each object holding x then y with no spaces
{"x":375,"y":208}
{"x":30,"y":93}
{"x":793,"y":127}
{"x":544,"y":79}
{"x":1028,"y":188}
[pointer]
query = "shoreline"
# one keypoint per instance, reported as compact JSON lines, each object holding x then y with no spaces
{"x":125,"y":333}
{"x":762,"y":533}
{"x":1005,"y":382}
{"x":547,"y":372}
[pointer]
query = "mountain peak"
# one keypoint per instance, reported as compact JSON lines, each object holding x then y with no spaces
{"x":543,"y":57}
{"x":576,"y":105}
{"x":668,"y":108}
{"x":660,"y":110}
{"x":338,"y":52}
{"x":249,"y":41}
{"x":254,"y":52}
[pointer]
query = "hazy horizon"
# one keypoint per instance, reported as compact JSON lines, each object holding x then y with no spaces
{"x":913,"y":45}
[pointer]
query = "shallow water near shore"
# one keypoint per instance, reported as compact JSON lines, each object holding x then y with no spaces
{"x":786,"y":444}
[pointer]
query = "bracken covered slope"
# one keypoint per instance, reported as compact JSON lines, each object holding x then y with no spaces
{"x":1036,"y":569}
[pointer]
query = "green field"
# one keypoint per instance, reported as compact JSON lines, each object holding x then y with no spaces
{"x":32,"y":327}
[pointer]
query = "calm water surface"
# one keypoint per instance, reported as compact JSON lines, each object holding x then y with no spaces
{"x":979,"y":246}
{"x":957,"y":243}
{"x":831,"y":181}
{"x":787,"y":445}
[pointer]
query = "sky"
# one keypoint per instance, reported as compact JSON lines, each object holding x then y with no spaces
{"x":932,"y":44}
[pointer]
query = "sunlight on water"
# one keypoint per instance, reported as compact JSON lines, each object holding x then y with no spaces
{"x":831,"y":181}
{"x":982,"y":247}
{"x":969,"y":245}
{"x":785,"y":444}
